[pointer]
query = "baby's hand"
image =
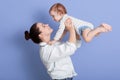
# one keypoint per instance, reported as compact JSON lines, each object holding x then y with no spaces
{"x":51,"y":42}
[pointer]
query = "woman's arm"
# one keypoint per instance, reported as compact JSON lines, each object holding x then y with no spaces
{"x":65,"y":31}
{"x":64,"y":49}
{"x":71,"y":30}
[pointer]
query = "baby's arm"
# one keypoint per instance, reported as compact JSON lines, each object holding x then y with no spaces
{"x":53,"y":41}
{"x":59,"y":32}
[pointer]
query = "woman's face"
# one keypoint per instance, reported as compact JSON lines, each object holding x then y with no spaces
{"x":45,"y":29}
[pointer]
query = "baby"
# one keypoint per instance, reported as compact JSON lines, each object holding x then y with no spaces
{"x":86,"y":29}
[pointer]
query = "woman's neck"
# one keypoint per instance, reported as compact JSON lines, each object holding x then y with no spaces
{"x":46,"y":39}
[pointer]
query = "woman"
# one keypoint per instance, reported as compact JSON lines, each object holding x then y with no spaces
{"x":56,"y":57}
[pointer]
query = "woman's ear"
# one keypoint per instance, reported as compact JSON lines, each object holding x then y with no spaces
{"x":40,"y":35}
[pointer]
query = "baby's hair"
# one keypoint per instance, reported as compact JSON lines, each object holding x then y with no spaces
{"x":58,"y":7}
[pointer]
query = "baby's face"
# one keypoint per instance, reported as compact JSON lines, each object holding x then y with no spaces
{"x":56,"y":17}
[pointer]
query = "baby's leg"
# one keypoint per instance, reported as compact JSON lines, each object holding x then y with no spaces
{"x":89,"y":34}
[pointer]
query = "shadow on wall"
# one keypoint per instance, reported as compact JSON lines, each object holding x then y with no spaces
{"x":30,"y":60}
{"x":44,"y":17}
{"x":41,"y":16}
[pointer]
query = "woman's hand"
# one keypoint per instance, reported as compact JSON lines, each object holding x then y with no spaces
{"x":68,"y":24}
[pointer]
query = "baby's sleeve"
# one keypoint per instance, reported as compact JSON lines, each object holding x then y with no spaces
{"x":85,"y":24}
{"x":59,"y":32}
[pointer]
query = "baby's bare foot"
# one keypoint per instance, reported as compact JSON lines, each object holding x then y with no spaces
{"x":101,"y":29}
{"x":107,"y":26}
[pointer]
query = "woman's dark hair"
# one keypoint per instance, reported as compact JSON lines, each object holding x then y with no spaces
{"x":33,"y":34}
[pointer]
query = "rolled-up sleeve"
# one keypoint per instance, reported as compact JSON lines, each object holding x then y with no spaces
{"x":61,"y":51}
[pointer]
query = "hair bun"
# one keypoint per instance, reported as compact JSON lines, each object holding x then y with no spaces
{"x":27,"y":36}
